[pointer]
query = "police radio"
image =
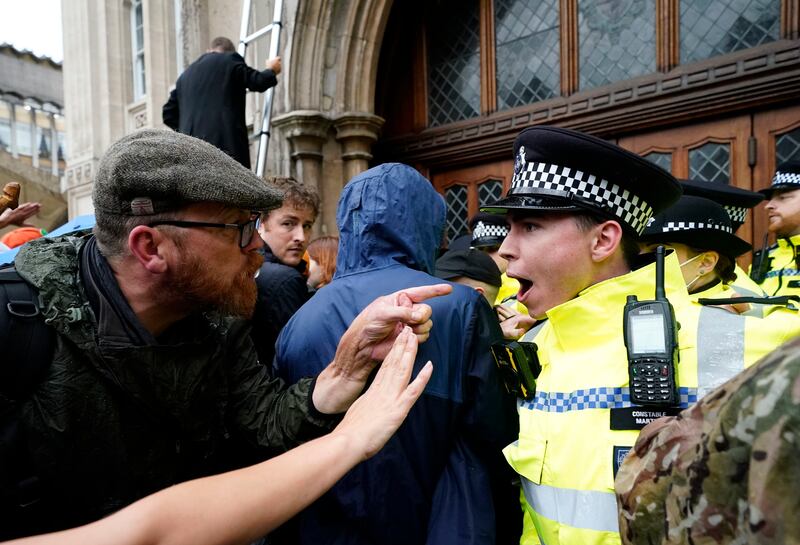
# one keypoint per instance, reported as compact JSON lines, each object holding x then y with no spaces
{"x":651,"y":337}
{"x":762,"y":263}
{"x":519,"y":367}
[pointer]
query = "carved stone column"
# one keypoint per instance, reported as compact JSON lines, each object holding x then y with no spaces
{"x":357,"y":132}
{"x":307,"y":132}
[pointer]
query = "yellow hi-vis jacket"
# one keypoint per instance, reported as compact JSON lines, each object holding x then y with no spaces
{"x":567,"y":451}
{"x":783,"y":277}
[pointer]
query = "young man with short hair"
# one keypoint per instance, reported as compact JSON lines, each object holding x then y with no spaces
{"x":282,"y":289}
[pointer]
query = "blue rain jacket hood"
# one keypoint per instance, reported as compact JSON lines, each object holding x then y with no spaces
{"x":379,"y":227}
{"x":440,"y":476}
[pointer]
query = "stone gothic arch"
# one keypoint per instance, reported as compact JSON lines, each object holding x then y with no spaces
{"x":328,"y":114}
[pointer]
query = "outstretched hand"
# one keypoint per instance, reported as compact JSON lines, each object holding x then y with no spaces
{"x":18,"y":215}
{"x":383,"y":319}
{"x":375,"y":416}
{"x":369,"y":339}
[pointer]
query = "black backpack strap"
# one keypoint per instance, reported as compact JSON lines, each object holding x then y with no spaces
{"x":26,"y":341}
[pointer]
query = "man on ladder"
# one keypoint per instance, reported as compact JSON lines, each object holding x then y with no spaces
{"x":208,"y":101}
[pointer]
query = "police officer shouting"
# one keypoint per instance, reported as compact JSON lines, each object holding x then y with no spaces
{"x":576,"y":207}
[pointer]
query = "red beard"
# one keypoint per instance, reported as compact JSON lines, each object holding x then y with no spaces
{"x":198,"y":285}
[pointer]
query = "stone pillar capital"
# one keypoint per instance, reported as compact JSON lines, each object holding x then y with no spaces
{"x":306,"y":130}
{"x":357,"y":131}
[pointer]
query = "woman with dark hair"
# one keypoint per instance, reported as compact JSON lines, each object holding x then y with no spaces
{"x":700,"y":232}
{"x":322,"y":254}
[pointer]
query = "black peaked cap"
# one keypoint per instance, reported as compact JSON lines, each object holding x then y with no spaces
{"x":469,"y":263}
{"x":488,"y":229}
{"x":699,"y":223}
{"x":787,"y":176}
{"x":559,"y":169}
{"x":735,"y":200}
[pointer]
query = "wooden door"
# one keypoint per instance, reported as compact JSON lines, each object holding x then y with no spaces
{"x":753,"y":145}
{"x":467,"y":189}
{"x":715,"y":151}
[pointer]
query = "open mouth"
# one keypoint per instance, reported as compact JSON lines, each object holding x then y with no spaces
{"x":524,"y":286}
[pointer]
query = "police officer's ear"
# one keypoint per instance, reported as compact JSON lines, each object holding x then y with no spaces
{"x":605,"y":239}
{"x":148,"y":246}
{"x":707,"y":262}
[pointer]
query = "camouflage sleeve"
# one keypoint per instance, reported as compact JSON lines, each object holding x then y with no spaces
{"x":723,"y":471}
{"x":266,"y":411}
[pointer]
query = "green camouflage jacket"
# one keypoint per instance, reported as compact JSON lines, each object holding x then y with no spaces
{"x":726,"y":470}
{"x":113,"y":422}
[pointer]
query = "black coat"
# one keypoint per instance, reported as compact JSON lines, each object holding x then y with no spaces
{"x":282,"y":290}
{"x":208,"y":101}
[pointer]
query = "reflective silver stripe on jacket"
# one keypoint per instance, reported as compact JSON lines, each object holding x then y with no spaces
{"x":756,"y":309}
{"x":586,"y":509}
{"x":720,"y":348}
{"x":532,"y":332}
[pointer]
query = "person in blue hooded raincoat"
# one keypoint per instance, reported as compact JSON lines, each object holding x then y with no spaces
{"x":440,"y":479}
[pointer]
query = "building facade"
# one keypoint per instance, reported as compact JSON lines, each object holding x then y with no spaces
{"x":706,"y":88}
{"x":32,"y":131}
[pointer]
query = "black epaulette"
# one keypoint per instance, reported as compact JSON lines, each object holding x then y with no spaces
{"x":779,"y":300}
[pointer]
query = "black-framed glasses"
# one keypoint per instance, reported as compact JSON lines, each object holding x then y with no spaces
{"x":246,"y":230}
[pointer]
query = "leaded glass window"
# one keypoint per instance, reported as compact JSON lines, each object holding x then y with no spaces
{"x":527,"y":51}
{"x":710,"y":162}
{"x":787,"y":147}
{"x":490,"y":192}
{"x":616,"y":40}
{"x":662,"y":159}
{"x":457,"y":212}
{"x":715,"y":27}
{"x":454,"y":68}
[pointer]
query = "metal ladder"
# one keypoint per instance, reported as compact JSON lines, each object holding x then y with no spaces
{"x":262,"y":132}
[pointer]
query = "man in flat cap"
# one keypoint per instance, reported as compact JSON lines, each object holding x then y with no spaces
{"x":576,"y":207}
{"x":152,"y":370}
{"x":783,"y":208}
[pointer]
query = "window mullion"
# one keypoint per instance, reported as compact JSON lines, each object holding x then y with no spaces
{"x":568,"y":22}
{"x":488,"y":59}
{"x":667,"y":27}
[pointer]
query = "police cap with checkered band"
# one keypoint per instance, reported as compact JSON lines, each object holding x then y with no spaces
{"x":698,"y":223}
{"x":787,"y":177}
{"x":735,"y":200}
{"x":559,"y":169}
{"x":488,"y":230}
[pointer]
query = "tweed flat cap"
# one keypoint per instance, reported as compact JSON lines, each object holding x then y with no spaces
{"x":154,"y":170}
{"x":561,"y":170}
